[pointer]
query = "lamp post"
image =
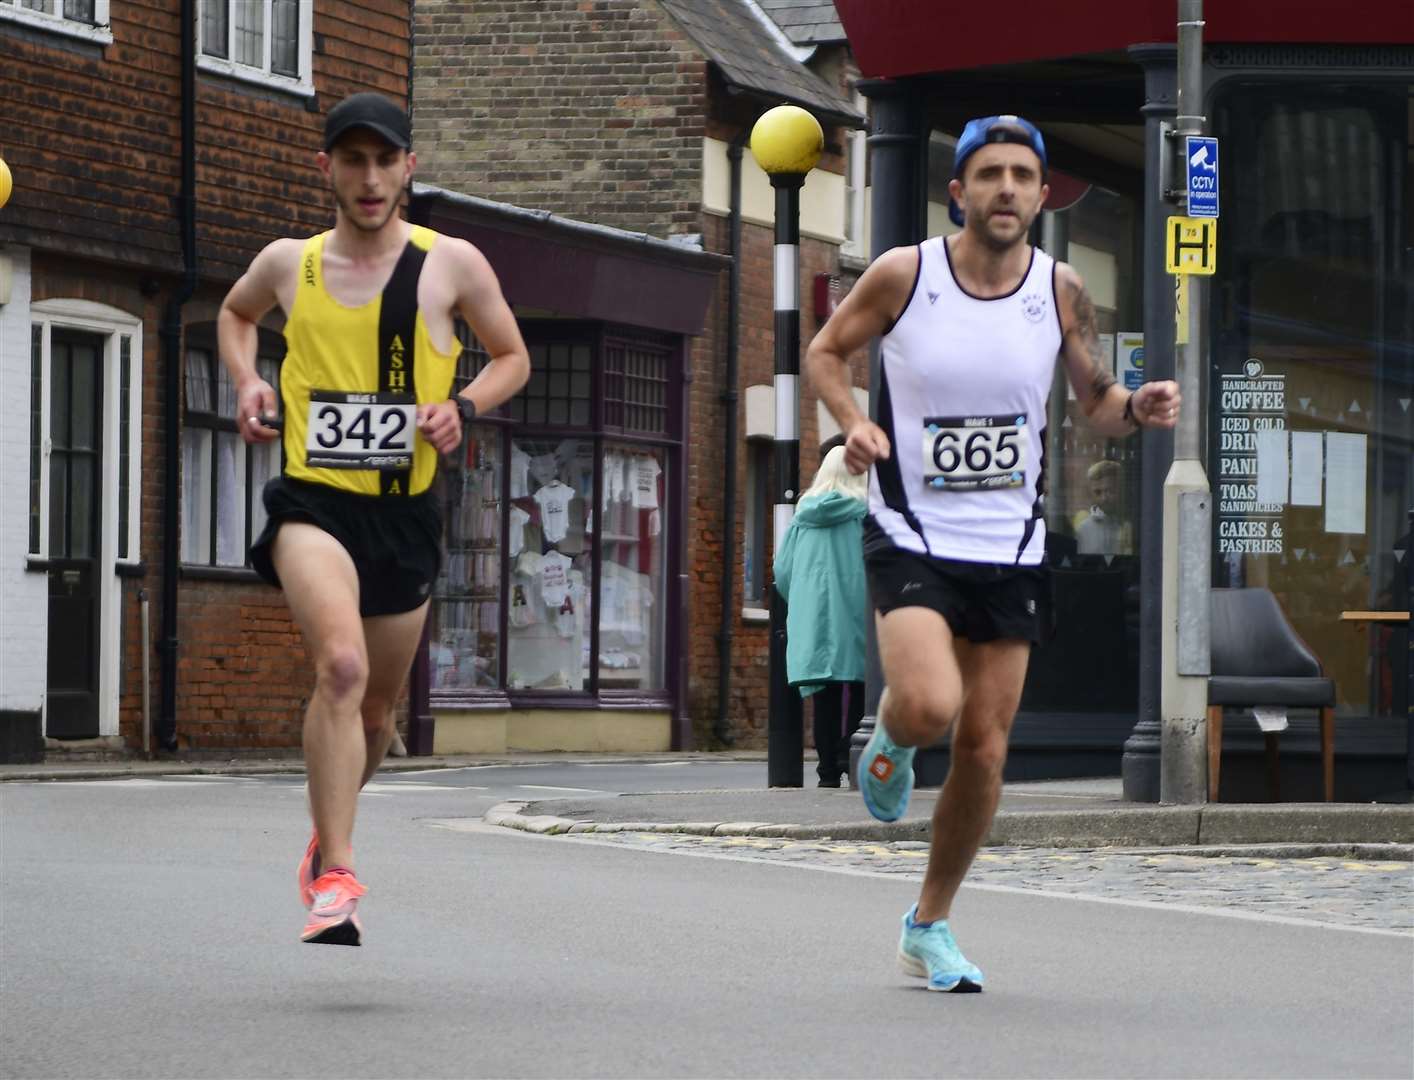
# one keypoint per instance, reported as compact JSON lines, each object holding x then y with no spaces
{"x":786,"y":142}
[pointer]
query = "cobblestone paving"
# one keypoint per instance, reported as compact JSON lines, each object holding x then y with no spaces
{"x":1344,"y":891}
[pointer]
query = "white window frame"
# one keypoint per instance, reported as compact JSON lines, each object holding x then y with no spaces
{"x":100,"y":33}
{"x":855,"y":243}
{"x":112,"y":324}
{"x":854,"y":192}
{"x":303,"y":86}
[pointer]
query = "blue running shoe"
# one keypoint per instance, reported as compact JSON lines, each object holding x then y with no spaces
{"x":885,"y":776}
{"x":930,"y":953}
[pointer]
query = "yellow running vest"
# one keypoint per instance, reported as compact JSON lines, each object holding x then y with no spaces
{"x":352,"y":377}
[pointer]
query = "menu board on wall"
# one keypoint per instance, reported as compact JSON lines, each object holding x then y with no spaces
{"x":1251,"y":405}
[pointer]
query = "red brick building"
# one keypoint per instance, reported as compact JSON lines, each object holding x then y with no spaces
{"x":155,"y":148}
{"x":633,"y":114}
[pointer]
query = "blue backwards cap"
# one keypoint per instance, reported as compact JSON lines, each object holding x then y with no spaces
{"x":993,"y":129}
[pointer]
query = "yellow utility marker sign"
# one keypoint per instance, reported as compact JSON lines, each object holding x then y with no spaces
{"x":1191,"y":245}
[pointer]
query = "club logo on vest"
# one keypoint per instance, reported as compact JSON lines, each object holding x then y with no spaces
{"x":1033,"y":306}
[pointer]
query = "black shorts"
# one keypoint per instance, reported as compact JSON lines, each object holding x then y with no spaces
{"x":395,"y":542}
{"x":980,"y":601}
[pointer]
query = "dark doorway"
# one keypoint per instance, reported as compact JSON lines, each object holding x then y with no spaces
{"x":75,"y":496}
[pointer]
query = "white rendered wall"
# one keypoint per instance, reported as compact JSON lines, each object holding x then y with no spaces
{"x":23,"y":596}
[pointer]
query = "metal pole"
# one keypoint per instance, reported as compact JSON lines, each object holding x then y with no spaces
{"x":1183,"y":776}
{"x":785,"y":748}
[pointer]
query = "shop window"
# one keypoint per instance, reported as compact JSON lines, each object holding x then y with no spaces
{"x":550,"y":549}
{"x":633,"y":618}
{"x":558,"y":523}
{"x":222,"y":477}
{"x":1311,"y":430}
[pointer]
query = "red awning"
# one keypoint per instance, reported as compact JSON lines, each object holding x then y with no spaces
{"x":893,"y":38}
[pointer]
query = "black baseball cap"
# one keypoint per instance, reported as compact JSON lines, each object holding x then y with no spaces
{"x":372,"y":111}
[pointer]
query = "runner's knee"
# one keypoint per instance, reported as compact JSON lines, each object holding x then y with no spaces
{"x":377,"y":714}
{"x":981,"y":751}
{"x":342,"y":672}
{"x":919,"y":715}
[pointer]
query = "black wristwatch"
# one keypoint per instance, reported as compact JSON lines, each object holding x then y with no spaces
{"x":466,"y":407}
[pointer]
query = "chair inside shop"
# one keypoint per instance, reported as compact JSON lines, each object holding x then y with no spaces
{"x":1259,"y":660}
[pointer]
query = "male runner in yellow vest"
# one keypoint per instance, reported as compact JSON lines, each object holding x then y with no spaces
{"x":354,"y":531}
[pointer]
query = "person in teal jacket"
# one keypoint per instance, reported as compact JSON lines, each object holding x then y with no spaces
{"x":819,"y":572}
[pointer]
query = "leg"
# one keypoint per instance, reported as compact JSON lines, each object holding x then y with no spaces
{"x":992,"y":673}
{"x":853,"y":719}
{"x":827,"y":721}
{"x":321,"y":588}
{"x":392,"y":642}
{"x":923,"y":684}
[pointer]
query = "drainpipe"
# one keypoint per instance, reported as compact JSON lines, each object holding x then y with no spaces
{"x":721,"y":728}
{"x":171,"y":335}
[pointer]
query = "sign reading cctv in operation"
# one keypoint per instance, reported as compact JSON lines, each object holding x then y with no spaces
{"x":1202,"y":176}
{"x":1191,"y":246}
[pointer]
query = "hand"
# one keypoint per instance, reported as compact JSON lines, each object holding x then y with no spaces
{"x":441,"y":425}
{"x":256,"y":400}
{"x":1155,"y":404}
{"x":865,"y":444}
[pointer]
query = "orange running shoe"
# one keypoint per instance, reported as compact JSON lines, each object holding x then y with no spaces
{"x":333,"y":912}
{"x":309,"y":870}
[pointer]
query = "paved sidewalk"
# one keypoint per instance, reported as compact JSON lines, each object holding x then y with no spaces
{"x":1057,"y":813}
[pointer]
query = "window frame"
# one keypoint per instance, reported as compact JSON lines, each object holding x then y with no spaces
{"x":301,"y":85}
{"x":100,"y":32}
{"x":856,"y":183}
{"x":113,"y":326}
{"x":600,"y":337}
{"x":756,"y":525}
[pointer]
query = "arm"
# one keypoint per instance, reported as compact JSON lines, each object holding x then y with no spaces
{"x":1110,"y":408}
{"x":877,"y":298}
{"x":479,"y":301}
{"x":249,"y":301}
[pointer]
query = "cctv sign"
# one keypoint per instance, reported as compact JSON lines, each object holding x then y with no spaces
{"x":1202,"y":176}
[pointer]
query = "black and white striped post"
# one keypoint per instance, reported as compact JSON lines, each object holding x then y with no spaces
{"x":786,"y":142}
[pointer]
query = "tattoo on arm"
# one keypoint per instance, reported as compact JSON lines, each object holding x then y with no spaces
{"x":1100,"y":378}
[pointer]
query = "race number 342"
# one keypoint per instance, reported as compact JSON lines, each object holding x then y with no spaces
{"x":974,"y":453}
{"x":360,"y":431}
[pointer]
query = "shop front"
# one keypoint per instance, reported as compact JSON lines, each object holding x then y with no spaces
{"x":1310,"y":449}
{"x":557,"y":622}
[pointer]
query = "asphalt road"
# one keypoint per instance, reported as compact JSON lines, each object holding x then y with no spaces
{"x":148,"y":928}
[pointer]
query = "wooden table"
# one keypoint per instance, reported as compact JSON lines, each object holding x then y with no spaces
{"x":1375,"y":616}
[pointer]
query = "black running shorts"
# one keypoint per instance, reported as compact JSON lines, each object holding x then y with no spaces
{"x":980,"y":601}
{"x":395,"y":542}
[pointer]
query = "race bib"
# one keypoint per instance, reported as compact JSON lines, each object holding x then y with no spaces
{"x":974,"y":453}
{"x":360,"y":431}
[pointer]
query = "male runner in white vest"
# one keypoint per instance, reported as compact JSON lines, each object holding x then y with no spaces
{"x":971,"y":328}
{"x":354,"y":528}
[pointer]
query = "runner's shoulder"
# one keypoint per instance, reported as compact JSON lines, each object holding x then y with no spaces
{"x":892,"y":274}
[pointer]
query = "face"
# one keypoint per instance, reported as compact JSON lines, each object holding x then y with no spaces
{"x":368,"y":177}
{"x":1000,"y":193}
{"x":1104,"y":490}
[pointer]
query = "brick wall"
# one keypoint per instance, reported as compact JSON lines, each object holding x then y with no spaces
{"x":750,"y":690}
{"x":593,"y":109}
{"x":92,"y":136}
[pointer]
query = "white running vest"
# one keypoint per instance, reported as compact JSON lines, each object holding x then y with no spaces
{"x":962,"y":397}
